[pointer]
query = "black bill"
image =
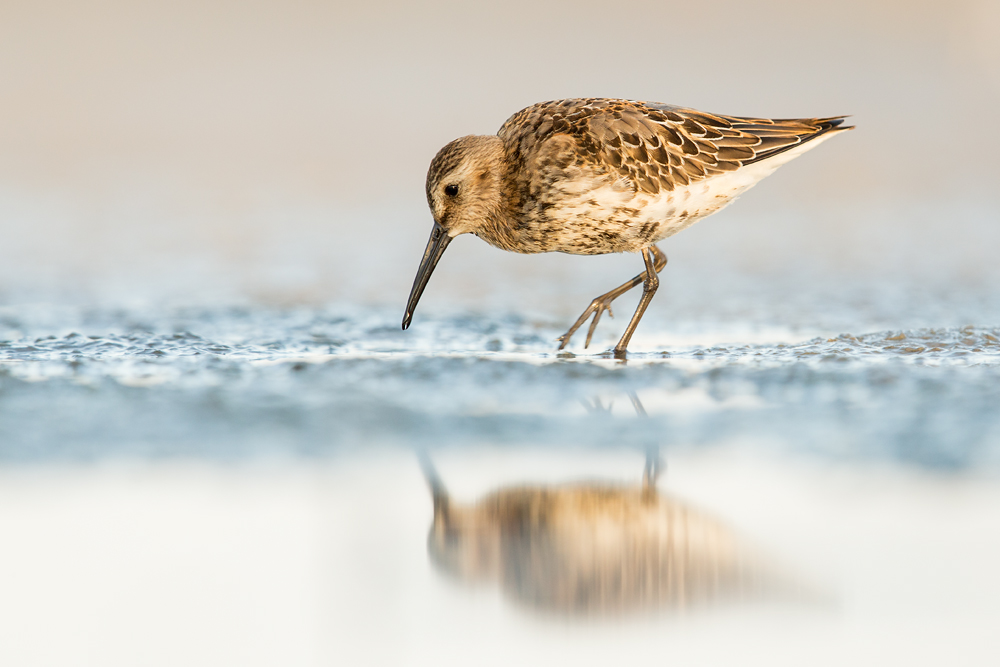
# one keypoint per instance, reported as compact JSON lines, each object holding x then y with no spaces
{"x":436,"y":245}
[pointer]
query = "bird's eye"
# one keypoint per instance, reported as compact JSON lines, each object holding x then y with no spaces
{"x":451,"y":190}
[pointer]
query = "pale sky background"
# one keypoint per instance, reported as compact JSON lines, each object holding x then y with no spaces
{"x":277,"y":150}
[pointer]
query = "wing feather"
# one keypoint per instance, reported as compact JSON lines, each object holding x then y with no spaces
{"x":656,"y":147}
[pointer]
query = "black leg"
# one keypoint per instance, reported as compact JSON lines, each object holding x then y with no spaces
{"x":603,"y":302}
{"x":649,"y":286}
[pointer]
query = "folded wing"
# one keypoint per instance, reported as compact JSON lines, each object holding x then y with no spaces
{"x":659,"y":147}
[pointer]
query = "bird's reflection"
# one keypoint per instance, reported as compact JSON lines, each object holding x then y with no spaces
{"x":590,"y":547}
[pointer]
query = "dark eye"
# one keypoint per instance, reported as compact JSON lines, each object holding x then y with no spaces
{"x":451,"y":190}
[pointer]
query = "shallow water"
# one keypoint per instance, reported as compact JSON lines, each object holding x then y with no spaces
{"x":240,"y":382}
{"x":328,"y":564}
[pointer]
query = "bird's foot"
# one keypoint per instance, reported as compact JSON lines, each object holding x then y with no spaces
{"x":596,"y":308}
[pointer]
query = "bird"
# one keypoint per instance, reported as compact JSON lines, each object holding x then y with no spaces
{"x":591,"y":176}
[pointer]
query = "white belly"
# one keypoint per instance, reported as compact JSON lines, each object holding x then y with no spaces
{"x":638,"y":219}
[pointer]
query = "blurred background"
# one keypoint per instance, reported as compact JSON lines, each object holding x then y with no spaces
{"x":278,"y":150}
{"x":210,"y":218}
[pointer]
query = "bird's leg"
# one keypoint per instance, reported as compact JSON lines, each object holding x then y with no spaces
{"x":649,"y":286}
{"x":603,"y":302}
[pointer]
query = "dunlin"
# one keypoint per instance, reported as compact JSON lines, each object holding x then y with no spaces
{"x":595,"y":176}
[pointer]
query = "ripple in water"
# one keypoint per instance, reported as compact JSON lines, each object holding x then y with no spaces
{"x":83,"y":384}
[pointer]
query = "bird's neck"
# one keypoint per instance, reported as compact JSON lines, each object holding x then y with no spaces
{"x":500,"y":205}
{"x":500,"y":228}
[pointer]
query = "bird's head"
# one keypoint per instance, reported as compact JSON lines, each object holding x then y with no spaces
{"x":463,"y":192}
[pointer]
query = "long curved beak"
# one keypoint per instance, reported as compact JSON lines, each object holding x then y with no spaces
{"x":436,"y":245}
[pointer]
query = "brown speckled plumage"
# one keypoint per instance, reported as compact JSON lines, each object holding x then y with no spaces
{"x":595,"y":176}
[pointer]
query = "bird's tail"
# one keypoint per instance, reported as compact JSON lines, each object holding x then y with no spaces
{"x":778,"y":135}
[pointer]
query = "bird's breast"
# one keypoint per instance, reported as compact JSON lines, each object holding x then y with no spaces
{"x":600,"y":214}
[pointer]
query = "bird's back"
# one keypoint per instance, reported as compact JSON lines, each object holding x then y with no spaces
{"x":591,"y":176}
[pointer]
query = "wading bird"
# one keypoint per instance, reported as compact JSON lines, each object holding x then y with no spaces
{"x":595,"y":176}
